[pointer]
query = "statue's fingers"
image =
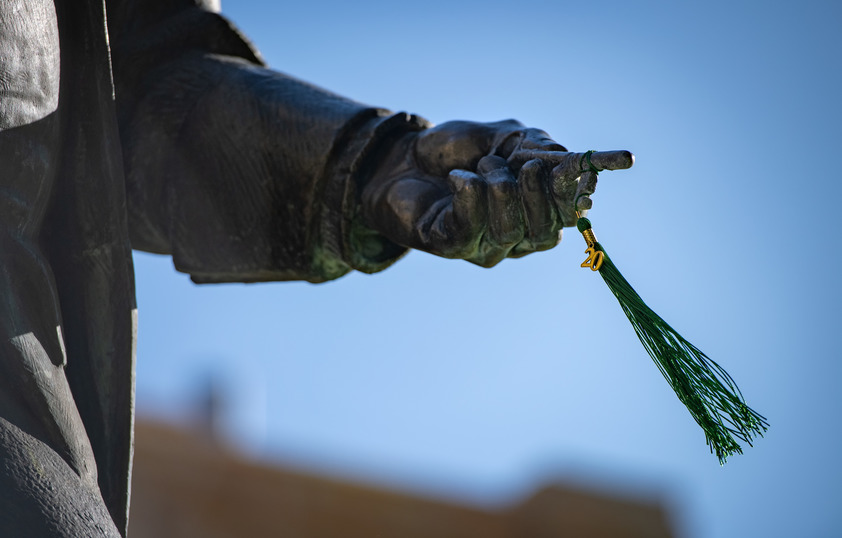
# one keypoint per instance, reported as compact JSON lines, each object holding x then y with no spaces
{"x":583,"y":203}
{"x":505,"y":213}
{"x":513,"y":137}
{"x":540,"y":216}
{"x":504,"y":217}
{"x":612,"y":160}
{"x":565,"y":183}
{"x":536,"y":139}
{"x":456,"y":224}
{"x":575,"y":162}
{"x":525,"y":154}
{"x":584,"y":189}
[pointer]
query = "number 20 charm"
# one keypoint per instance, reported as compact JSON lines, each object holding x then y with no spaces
{"x":594,"y":260}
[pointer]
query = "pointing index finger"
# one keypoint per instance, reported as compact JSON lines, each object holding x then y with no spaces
{"x":604,"y":160}
{"x":612,"y":160}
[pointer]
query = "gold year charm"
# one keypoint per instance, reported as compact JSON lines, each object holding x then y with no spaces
{"x":594,"y":260}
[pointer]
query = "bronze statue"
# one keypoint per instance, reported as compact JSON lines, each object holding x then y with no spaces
{"x":239,"y":172}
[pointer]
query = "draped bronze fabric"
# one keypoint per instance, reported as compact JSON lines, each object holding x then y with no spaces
{"x":167,"y":153}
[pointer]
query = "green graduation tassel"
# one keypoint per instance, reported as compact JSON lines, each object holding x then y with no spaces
{"x":707,"y":390}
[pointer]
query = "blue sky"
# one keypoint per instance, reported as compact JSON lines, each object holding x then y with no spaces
{"x":447,"y":379}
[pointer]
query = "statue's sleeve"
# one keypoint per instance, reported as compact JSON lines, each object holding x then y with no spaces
{"x":241,"y":173}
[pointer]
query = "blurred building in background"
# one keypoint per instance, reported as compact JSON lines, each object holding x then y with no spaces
{"x":186,"y":484}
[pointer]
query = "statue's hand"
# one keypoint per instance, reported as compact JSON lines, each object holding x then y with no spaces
{"x":481,"y":191}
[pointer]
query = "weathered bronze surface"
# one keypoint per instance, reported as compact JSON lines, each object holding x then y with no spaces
{"x":240,"y":173}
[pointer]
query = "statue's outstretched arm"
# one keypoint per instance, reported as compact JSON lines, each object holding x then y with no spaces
{"x":243,"y":173}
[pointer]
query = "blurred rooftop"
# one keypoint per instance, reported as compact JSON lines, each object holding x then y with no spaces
{"x":187,"y":484}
